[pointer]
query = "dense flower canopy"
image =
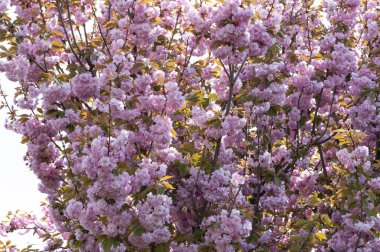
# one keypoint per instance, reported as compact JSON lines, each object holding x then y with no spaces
{"x":182,"y":125}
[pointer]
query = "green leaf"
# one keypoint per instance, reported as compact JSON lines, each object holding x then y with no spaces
{"x":24,"y":139}
{"x":314,"y":200}
{"x":187,"y":148}
{"x":110,"y":24}
{"x":168,"y":185}
{"x":77,"y":244}
{"x":138,"y":231}
{"x":301,"y":223}
{"x":303,"y":121}
{"x":51,"y":111}
{"x":213,"y":97}
{"x":70,"y":128}
{"x":115,"y":172}
{"x":160,"y":190}
{"x":320,"y":236}
{"x":183,"y":169}
{"x":277,"y":180}
{"x":205,"y":102}
{"x":57,"y":33}
{"x":107,"y":244}
{"x":165,"y":178}
{"x":193,"y":96}
{"x":292,"y":57}
{"x":57,"y":44}
{"x":351,"y":203}
{"x":215,"y":122}
{"x":198,"y":234}
{"x":326,"y":219}
{"x":272,"y":111}
{"x":163,"y":247}
{"x":253,"y":238}
{"x":171,"y":63}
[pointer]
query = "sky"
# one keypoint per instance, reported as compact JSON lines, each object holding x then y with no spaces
{"x":18,"y":184}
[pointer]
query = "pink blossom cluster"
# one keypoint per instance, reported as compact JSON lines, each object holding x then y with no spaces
{"x":226,"y":125}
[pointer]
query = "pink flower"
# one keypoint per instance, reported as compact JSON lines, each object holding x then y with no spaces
{"x":4,"y":5}
{"x":85,"y":86}
{"x":237,"y":179}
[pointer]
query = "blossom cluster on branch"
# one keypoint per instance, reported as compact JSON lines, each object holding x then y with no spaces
{"x":197,"y":125}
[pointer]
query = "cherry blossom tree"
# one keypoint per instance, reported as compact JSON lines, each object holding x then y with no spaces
{"x":197,"y":125}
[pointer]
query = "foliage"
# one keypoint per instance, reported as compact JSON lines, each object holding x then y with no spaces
{"x":229,"y":125}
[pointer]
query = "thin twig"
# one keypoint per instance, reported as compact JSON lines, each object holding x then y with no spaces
{"x":100,"y":31}
{"x":322,"y":160}
{"x":71,"y":27}
{"x":67,"y":35}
